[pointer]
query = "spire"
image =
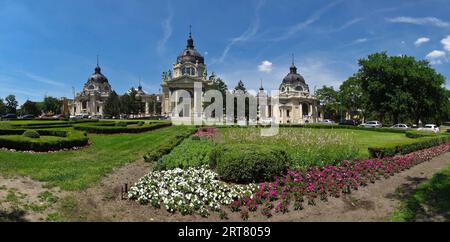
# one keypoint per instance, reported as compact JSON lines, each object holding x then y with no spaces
{"x":97,"y":68}
{"x":261,"y":88}
{"x":293,"y":67}
{"x":190,"y":41}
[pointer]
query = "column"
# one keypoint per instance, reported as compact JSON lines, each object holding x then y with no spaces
{"x":147,"y":111}
{"x":300,"y":108}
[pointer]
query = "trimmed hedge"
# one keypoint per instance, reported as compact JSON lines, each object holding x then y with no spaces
{"x":426,"y":142}
{"x":168,"y":146}
{"x":68,"y":139}
{"x":419,"y":134}
{"x":192,"y":152}
{"x":31,"y":134}
{"x":108,"y":128}
{"x":244,"y":163}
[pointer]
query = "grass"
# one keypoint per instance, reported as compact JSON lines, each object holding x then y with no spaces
{"x":319,"y":146}
{"x":76,"y":170}
{"x":431,"y":198}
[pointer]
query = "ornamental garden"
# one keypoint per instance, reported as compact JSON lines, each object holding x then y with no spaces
{"x":227,"y":171}
{"x":232,"y":172}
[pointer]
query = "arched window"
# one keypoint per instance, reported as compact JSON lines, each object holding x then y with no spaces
{"x":305,"y":109}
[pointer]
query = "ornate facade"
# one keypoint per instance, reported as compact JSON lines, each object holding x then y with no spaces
{"x":189,"y":68}
{"x":91,"y":100}
{"x":295,"y":103}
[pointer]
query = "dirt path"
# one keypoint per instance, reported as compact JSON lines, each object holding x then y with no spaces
{"x":373,"y":203}
{"x":23,"y":199}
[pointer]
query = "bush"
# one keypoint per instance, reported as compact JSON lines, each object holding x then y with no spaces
{"x":190,"y":153}
{"x":121,"y":124}
{"x":245,"y":163}
{"x":141,"y":123}
{"x":31,"y":134}
{"x":418,"y":134}
{"x":67,"y":140}
{"x":106,"y":128}
{"x":167,"y":146}
{"x":426,"y":142}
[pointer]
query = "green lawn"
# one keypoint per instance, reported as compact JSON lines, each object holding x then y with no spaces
{"x":430,"y":198}
{"x":76,"y":170}
{"x":312,"y":146}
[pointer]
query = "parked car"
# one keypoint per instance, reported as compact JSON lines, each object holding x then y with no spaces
{"x":372,"y":124}
{"x":429,"y":128}
{"x":58,"y":116}
{"x":9,"y":116}
{"x":351,"y":122}
{"x":27,"y":117}
{"x":107,"y":117}
{"x":400,"y":126}
{"x":327,"y":121}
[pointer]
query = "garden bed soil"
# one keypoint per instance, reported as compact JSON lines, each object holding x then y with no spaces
{"x":372,"y":203}
{"x":26,"y":193}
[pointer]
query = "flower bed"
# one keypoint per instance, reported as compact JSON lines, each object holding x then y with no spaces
{"x":205,"y":133}
{"x":321,"y":183}
{"x":190,"y":191}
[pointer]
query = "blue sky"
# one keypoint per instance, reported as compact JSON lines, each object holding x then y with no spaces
{"x":49,"y":46}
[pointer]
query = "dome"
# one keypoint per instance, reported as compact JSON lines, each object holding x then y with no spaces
{"x":190,"y":54}
{"x":98,"y":77}
{"x":294,"y":81}
{"x":293,"y":77}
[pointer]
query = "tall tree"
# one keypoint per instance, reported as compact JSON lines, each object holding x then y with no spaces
{"x":329,"y":99}
{"x":112,"y":105}
{"x":30,"y":107}
{"x":352,"y":97}
{"x":11,"y":104}
{"x":52,"y":105}
{"x":402,"y":88}
{"x":125,"y":104}
{"x":2,"y":107}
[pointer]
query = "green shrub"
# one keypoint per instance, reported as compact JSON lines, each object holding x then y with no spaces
{"x":31,"y":134}
{"x":245,"y":163}
{"x":190,"y":153}
{"x":121,"y":124}
{"x":426,"y":142}
{"x":168,"y":146}
{"x":67,"y":140}
{"x":418,"y":134}
{"x":106,"y":128}
{"x":141,"y":123}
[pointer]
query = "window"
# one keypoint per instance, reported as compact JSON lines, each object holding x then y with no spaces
{"x":288,"y":112}
{"x":188,"y":71}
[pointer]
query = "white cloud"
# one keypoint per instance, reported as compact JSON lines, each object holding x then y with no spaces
{"x":41,"y":79}
{"x":266,"y":66}
{"x":312,"y":19}
{"x":421,"y":40}
{"x":431,"y":21}
{"x":167,"y":29}
{"x":436,"y":57}
{"x":360,"y":40}
{"x":446,"y":43}
{"x":247,"y":35}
